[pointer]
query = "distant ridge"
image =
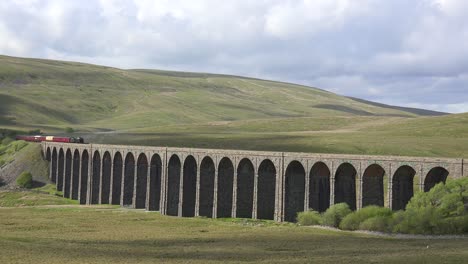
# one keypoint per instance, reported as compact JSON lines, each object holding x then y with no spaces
{"x":417,"y":111}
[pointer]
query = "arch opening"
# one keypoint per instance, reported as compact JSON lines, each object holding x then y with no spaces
{"x":48,"y":154}
{"x":117,"y":178}
{"x":207,"y":177}
{"x":155,"y":183}
{"x":319,"y":187}
{"x":245,"y":188}
{"x":106,"y":176}
{"x":68,"y":174}
{"x":60,"y":171}
{"x":84,"y":177}
{"x":173,"y":186}
{"x":266,"y":190}
{"x":345,"y":185}
{"x":435,"y":176}
{"x":294,"y":190}
{"x":54,"y":166}
{"x":373,"y":186}
{"x":96,"y":178}
{"x":189,"y":187}
{"x":142,"y":178}
{"x":402,"y":187}
{"x":225,"y":185}
{"x":129,"y":180}
{"x":76,"y":175}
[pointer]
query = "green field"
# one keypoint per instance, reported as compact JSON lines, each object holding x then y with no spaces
{"x":149,"y":107}
{"x":73,"y":234}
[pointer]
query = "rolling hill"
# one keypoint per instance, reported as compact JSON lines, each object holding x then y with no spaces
{"x":157,"y":107}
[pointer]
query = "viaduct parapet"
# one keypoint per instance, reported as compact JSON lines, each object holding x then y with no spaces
{"x":234,"y":183}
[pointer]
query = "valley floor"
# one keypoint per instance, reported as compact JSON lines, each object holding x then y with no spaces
{"x":108,"y":234}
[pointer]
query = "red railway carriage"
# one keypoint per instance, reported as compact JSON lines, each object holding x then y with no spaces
{"x":51,"y":139}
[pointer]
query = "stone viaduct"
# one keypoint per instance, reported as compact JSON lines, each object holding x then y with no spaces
{"x":233,"y":183}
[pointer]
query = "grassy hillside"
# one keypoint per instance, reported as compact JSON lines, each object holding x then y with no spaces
{"x":164,"y":108}
{"x":51,"y":93}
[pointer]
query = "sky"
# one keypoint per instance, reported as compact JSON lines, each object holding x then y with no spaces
{"x":399,"y":52}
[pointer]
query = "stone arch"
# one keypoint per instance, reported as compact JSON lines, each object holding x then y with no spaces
{"x":245,"y":188}
{"x":84,"y":177}
{"x":60,"y":170}
{"x":106,"y":177}
{"x":142,"y":178}
{"x":266,"y":190}
{"x":96,"y":178}
{"x":117,"y":178}
{"x":68,"y":174}
{"x":129,"y":179}
{"x":189,"y":187}
{"x":54,"y":166}
{"x":402,"y":187}
{"x":435,"y":176}
{"x":76,"y":175}
{"x":345,"y":185}
{"x":207,"y":177}
{"x":173,"y":186}
{"x":225,"y":186}
{"x":294,"y":190}
{"x":373,"y":186}
{"x":155,"y":183}
{"x":319,"y":187}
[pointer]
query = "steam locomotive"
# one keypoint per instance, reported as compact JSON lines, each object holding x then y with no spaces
{"x":51,"y":139}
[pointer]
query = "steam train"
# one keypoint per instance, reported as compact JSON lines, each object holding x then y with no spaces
{"x":51,"y":139}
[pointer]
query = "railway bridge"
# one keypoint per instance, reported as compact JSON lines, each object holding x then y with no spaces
{"x":233,"y":183}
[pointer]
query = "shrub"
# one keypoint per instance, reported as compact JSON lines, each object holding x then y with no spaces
{"x":308,"y":218}
{"x":442,"y":210}
{"x":378,"y":223}
{"x":7,"y":141}
{"x":334,"y":214}
{"x":24,"y":180}
{"x":69,"y":130}
{"x":353,"y":221}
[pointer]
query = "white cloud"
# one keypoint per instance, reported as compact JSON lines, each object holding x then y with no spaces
{"x":407,"y":52}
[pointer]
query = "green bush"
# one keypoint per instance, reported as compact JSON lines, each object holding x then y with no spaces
{"x":69,"y":130}
{"x":308,"y":218}
{"x":353,"y":221}
{"x":7,"y":141}
{"x":442,"y":210}
{"x":378,"y":223}
{"x":24,"y":180}
{"x":334,"y":214}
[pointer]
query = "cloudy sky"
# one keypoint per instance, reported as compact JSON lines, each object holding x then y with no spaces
{"x":410,"y":53}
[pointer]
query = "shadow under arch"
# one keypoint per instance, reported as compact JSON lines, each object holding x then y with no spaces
{"x":141,"y":181}
{"x":245,"y":188}
{"x":402,"y":187}
{"x":155,"y":183}
{"x":294,"y":190}
{"x":189,"y":188}
{"x":207,"y":178}
{"x":319,"y":187}
{"x":435,"y":176}
{"x":173,"y":185}
{"x":129,"y":180}
{"x":345,"y":185}
{"x":106,"y":177}
{"x":266,"y":190}
{"x":373,"y":186}
{"x":225,"y":188}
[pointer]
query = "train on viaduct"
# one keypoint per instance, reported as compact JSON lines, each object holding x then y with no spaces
{"x":220,"y":183}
